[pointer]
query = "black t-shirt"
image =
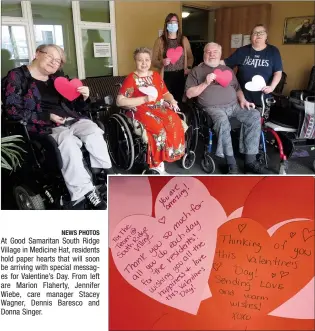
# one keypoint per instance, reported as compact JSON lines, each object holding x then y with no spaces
{"x":50,"y":99}
{"x":250,"y":63}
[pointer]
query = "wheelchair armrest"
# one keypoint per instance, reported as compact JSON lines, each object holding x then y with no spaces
{"x":19,"y":123}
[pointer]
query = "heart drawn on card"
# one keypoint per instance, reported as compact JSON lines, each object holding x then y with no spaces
{"x":223,"y":77}
{"x":149,"y":90}
{"x":68,"y":89}
{"x":260,"y":272}
{"x":174,"y":54}
{"x":256,"y":84}
{"x":170,"y":261}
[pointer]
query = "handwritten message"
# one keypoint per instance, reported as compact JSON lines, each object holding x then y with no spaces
{"x":253,"y":273}
{"x":169,"y":257}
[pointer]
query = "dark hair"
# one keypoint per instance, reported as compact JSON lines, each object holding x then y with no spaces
{"x":165,"y":32}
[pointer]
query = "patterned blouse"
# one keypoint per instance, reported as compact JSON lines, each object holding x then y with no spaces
{"x":179,"y":65}
{"x":22,"y":101}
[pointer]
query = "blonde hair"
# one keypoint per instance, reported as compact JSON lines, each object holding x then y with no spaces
{"x":44,"y":47}
{"x":141,"y":50}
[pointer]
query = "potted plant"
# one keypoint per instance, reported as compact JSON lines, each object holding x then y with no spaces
{"x":11,"y":152}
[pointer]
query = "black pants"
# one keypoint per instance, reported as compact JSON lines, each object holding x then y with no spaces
{"x":175,"y":83}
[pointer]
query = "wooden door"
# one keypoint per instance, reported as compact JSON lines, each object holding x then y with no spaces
{"x":238,"y":20}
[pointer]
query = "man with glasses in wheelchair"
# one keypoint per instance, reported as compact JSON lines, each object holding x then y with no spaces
{"x":218,"y":93}
{"x":29,"y":95}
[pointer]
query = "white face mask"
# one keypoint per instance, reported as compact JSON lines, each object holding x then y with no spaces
{"x":172,"y":27}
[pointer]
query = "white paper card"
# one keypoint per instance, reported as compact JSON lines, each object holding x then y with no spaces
{"x":102,"y":50}
{"x":236,"y":40}
{"x":246,"y":39}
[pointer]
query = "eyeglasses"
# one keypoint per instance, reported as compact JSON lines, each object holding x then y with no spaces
{"x":51,"y":58}
{"x":259,"y":33}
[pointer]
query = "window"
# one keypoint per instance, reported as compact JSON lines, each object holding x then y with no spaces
{"x":101,"y":62}
{"x":75,"y":26}
{"x":95,"y":11}
{"x":14,"y":51}
{"x":53,"y":24}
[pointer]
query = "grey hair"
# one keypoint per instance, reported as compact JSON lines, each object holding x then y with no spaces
{"x":61,"y":52}
{"x":140,"y":50}
{"x":213,"y":44}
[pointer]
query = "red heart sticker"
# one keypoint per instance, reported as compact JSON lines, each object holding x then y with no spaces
{"x":174,"y":54}
{"x":68,"y":89}
{"x":223,"y":77}
{"x":258,"y":272}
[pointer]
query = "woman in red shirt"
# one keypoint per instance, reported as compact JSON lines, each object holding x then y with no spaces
{"x":155,"y":109}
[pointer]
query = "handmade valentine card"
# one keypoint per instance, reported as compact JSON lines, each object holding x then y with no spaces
{"x":211,"y":253}
{"x":259,"y":272}
{"x":169,"y":257}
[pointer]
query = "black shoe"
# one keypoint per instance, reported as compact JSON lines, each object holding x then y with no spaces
{"x":233,"y":169}
{"x":95,"y":200}
{"x":255,"y":168}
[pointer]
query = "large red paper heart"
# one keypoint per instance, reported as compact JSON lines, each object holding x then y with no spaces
{"x":68,"y":89}
{"x":174,"y":54}
{"x":223,"y":77}
{"x":258,"y":273}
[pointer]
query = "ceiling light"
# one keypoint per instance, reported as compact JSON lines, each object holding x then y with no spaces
{"x":185,"y":14}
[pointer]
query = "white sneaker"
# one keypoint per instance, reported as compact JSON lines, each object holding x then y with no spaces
{"x":160,"y":169}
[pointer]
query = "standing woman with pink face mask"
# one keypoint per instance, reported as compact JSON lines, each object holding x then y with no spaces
{"x":173,"y":57}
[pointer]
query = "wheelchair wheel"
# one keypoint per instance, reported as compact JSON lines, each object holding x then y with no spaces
{"x":192,"y":133}
{"x":120,"y":142}
{"x":207,"y":164}
{"x":27,"y":200}
{"x":188,"y":160}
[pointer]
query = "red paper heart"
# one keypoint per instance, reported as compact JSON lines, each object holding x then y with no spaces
{"x":68,"y":89}
{"x":174,"y":54}
{"x":258,"y":273}
{"x":223,"y":77}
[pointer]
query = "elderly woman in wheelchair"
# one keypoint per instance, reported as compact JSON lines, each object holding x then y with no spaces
{"x":151,"y":105}
{"x":29,"y":95}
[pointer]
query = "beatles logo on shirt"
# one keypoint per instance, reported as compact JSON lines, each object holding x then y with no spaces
{"x":255,"y":62}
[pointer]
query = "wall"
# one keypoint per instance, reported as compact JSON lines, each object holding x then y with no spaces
{"x":297,"y":59}
{"x":211,"y":26}
{"x":137,"y":24}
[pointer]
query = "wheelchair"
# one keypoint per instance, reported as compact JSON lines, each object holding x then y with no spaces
{"x":127,"y":142}
{"x":38,"y":184}
{"x":283,"y":117}
{"x":202,"y":129}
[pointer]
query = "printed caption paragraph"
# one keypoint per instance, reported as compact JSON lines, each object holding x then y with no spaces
{"x":40,"y":273}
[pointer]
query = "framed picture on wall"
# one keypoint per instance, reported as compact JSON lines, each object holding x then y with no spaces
{"x":299,"y":30}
